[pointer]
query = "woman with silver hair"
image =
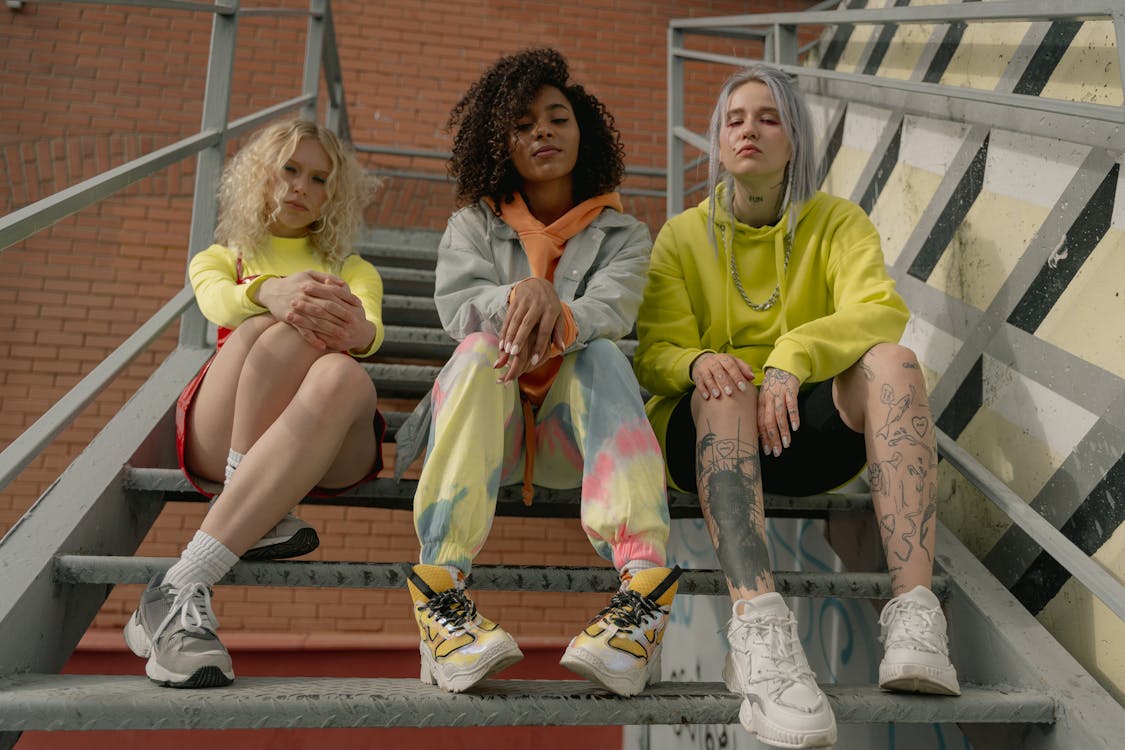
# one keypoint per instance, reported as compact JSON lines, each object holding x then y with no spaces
{"x":768,"y":308}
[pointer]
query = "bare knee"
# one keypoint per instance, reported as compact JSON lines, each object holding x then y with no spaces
{"x":741,"y":405}
{"x":885,"y":372}
{"x":336,"y":384}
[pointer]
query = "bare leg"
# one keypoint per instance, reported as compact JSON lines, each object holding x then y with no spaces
{"x":323,"y":436}
{"x":211,"y":419}
{"x":884,"y":396}
{"x":729,"y":481}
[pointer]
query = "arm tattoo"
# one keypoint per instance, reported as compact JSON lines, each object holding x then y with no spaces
{"x":730,"y":486}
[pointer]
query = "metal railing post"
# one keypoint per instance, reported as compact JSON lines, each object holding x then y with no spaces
{"x":675,"y":174}
{"x":336,"y":118}
{"x":314,"y":48}
{"x":781,"y":45}
{"x":209,"y":165}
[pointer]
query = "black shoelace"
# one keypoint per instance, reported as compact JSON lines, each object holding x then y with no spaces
{"x":628,"y":609}
{"x":452,"y":608}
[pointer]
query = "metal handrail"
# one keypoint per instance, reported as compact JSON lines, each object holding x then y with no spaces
{"x":1080,"y":565}
{"x":23,"y":450}
{"x":24,"y":222}
{"x":209,"y":142}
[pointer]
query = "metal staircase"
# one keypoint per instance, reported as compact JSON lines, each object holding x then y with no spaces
{"x":59,"y":562}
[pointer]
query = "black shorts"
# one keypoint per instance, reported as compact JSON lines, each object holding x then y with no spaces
{"x":822,"y":455}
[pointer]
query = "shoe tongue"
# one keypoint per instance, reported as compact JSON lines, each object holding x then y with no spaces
{"x":921,"y":595}
{"x":764,"y":604}
{"x":646,"y":581}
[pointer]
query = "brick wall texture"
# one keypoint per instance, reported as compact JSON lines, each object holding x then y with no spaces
{"x":86,"y":88}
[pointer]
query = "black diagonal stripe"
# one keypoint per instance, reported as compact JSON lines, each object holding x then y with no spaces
{"x":951,"y":216}
{"x":832,"y":147}
{"x":944,"y":54}
{"x":1089,"y":528}
{"x":1084,"y":235}
{"x":882,"y":172}
{"x":966,"y":402}
{"x":840,"y":38}
{"x":882,"y":44}
{"x":1046,"y":58}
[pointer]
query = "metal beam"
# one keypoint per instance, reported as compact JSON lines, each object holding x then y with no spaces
{"x":98,"y":570}
{"x":25,"y":448}
{"x":98,"y":702}
{"x":1080,"y":565}
{"x":1013,"y":10}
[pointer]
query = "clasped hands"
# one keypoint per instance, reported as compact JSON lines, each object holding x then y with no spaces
{"x":321,"y":308}
{"x":533,"y":322}
{"x":717,"y":375}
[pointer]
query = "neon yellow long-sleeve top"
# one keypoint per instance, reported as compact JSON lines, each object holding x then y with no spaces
{"x":225,"y":302}
{"x":836,"y":298}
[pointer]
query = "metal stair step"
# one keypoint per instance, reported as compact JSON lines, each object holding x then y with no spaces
{"x":418,"y":282}
{"x":107,"y":569}
{"x":31,"y":702}
{"x":406,"y":310}
{"x":402,"y":380}
{"x":399,"y":495}
{"x":432,"y":342}
{"x":386,"y":254}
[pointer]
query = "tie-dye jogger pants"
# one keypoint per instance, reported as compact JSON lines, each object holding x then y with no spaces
{"x":591,"y":431}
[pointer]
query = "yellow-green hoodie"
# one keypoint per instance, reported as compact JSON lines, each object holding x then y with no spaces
{"x":837,"y":300}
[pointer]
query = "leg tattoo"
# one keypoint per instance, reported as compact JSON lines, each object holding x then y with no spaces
{"x":730,"y":487}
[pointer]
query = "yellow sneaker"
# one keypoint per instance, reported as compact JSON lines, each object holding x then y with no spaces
{"x":620,"y":648}
{"x":459,"y":648}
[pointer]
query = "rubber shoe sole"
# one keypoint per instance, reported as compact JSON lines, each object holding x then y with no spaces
{"x":583,"y":663}
{"x":758,"y":724}
{"x":204,"y":677}
{"x":918,"y":678}
{"x":301,"y":543}
{"x":499,"y":660}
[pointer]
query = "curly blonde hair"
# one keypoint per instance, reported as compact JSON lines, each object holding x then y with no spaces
{"x":244,"y":194}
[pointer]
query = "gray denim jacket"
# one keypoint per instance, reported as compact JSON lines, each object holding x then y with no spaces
{"x":600,"y":276}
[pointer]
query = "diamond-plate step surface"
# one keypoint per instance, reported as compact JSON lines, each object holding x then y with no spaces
{"x":99,"y":569}
{"x":31,"y":702}
{"x":171,"y":485}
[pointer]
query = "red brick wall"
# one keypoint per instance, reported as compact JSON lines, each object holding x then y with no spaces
{"x":85,"y":87}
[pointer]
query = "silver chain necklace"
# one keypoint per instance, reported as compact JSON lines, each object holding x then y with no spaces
{"x":738,"y":280}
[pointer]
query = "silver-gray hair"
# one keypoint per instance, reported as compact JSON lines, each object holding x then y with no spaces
{"x":801,"y":174}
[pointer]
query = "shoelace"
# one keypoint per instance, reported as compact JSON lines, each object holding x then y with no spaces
{"x":453,"y":609}
{"x":776,"y":635}
{"x":916,"y":626}
{"x":193,"y":607}
{"x":629,"y":609}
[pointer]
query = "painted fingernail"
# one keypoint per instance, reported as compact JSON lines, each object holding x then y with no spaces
{"x":515,"y":349}
{"x":785,"y":442}
{"x":742,"y":386}
{"x":776,"y":452}
{"x":727,"y":388}
{"x":534,"y":359}
{"x":715,"y":392}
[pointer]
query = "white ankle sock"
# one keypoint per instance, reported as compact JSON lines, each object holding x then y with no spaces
{"x":234,"y":458}
{"x":633,"y":567}
{"x":205,"y":560}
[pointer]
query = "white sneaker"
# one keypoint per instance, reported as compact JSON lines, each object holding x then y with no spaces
{"x":291,"y":537}
{"x":916,"y":657}
{"x":782,"y":704}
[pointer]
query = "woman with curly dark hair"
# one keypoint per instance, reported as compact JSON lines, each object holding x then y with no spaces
{"x":537,"y":276}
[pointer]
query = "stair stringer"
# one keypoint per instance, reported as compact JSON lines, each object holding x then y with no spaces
{"x":994,"y":639}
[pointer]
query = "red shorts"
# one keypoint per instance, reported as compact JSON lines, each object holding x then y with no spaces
{"x":183,"y":404}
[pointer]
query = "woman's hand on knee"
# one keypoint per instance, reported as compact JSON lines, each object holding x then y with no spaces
{"x":533,"y":320}
{"x":318,"y":305}
{"x":716,"y":375}
{"x":777,"y":410}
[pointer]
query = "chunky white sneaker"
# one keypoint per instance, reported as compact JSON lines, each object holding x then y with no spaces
{"x":620,"y":648}
{"x":175,"y":630}
{"x":291,"y":537}
{"x":916,"y":656}
{"x":459,"y":646}
{"x":782,"y":704}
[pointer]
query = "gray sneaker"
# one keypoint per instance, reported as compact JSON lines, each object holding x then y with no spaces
{"x":175,"y":630}
{"x":292,"y":537}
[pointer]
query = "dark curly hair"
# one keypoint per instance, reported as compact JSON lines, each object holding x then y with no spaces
{"x":483,"y":121}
